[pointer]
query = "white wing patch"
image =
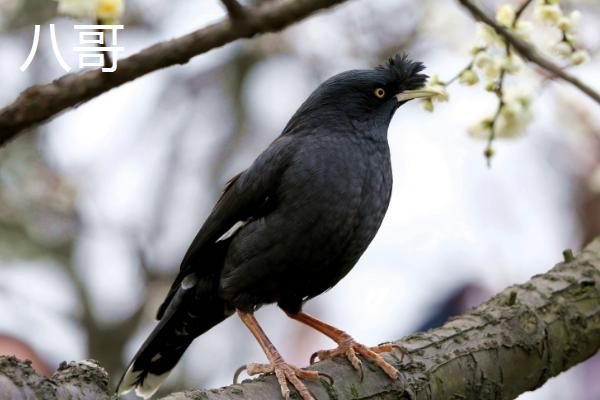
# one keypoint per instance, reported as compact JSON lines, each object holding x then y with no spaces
{"x":236,"y":227}
{"x":189,"y":282}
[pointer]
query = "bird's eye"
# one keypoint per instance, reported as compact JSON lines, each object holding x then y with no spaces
{"x":379,"y":93}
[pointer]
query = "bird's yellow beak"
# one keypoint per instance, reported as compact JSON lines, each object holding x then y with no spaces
{"x":416,"y":94}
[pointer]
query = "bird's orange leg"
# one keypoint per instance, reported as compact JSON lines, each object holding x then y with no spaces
{"x":348,"y":346}
{"x":283,"y":371}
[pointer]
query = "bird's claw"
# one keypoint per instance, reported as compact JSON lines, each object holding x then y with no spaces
{"x":313,"y":358}
{"x":238,"y":372}
{"x":351,"y":349}
{"x":361,"y":371}
{"x":284,"y":373}
{"x":327,"y":377}
{"x":389,"y":347}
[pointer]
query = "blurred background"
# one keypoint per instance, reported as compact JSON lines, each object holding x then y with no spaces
{"x":98,"y":206}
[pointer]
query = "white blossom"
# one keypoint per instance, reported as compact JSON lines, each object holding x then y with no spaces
{"x":490,"y":86}
{"x":85,"y":9}
{"x":548,"y":13}
{"x":579,"y":57}
{"x":489,"y":35}
{"x":109,"y":10}
{"x":468,"y":77}
{"x":570,"y":38}
{"x":518,"y":94}
{"x":568,"y":23}
{"x":490,"y":65}
{"x":434,"y":84}
{"x":506,"y":15}
{"x":562,"y":49}
{"x":575,"y":17}
{"x":523,"y":29}
{"x":105,"y":11}
{"x":512,"y":63}
{"x":564,"y":24}
{"x":511,"y":121}
{"x":481,"y":129}
{"x":515,"y":114}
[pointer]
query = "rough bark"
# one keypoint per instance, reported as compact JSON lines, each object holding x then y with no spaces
{"x":510,"y":344}
{"x":41,"y":102}
{"x":83,"y":380}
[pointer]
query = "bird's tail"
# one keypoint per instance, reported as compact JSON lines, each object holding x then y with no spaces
{"x":166,"y":344}
{"x":193,"y":308}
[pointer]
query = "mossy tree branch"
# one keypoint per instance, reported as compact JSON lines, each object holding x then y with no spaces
{"x":510,"y":344}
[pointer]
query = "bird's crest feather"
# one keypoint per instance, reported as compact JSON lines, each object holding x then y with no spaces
{"x":402,"y":69}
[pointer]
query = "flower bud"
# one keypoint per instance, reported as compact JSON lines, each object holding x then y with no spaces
{"x":468,"y":77}
{"x":481,"y":130}
{"x":579,"y":57}
{"x":548,"y":13}
{"x":109,"y":10}
{"x":562,"y":49}
{"x":506,"y":15}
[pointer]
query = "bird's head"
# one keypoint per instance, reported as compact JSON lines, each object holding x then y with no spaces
{"x":365,"y":97}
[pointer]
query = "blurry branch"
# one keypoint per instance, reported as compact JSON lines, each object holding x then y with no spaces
{"x":586,"y":171}
{"x":235,"y":76}
{"x":528,"y":52}
{"x":522,"y":9}
{"x":234,"y":9}
{"x":510,"y":344}
{"x":105,"y":341}
{"x":41,"y":102}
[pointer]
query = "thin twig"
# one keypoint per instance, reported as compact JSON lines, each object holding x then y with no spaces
{"x":521,"y":9}
{"x":458,"y":74}
{"x":529,"y":53}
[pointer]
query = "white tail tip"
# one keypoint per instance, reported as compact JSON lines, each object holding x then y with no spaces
{"x":146,"y":388}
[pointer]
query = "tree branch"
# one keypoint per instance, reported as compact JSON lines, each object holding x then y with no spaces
{"x":42,"y":102}
{"x":76,"y":380}
{"x":528,"y":52}
{"x":234,"y":9}
{"x":511,"y":344}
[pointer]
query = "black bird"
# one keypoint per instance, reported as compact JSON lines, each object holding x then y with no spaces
{"x":289,"y":227}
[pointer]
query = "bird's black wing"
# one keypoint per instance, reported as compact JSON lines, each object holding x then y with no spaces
{"x":246,"y":196}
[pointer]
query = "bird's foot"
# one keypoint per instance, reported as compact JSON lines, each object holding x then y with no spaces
{"x":285,"y":373}
{"x":349,"y":348}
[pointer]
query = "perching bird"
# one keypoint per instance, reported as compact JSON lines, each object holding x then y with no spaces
{"x":289,"y":227}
